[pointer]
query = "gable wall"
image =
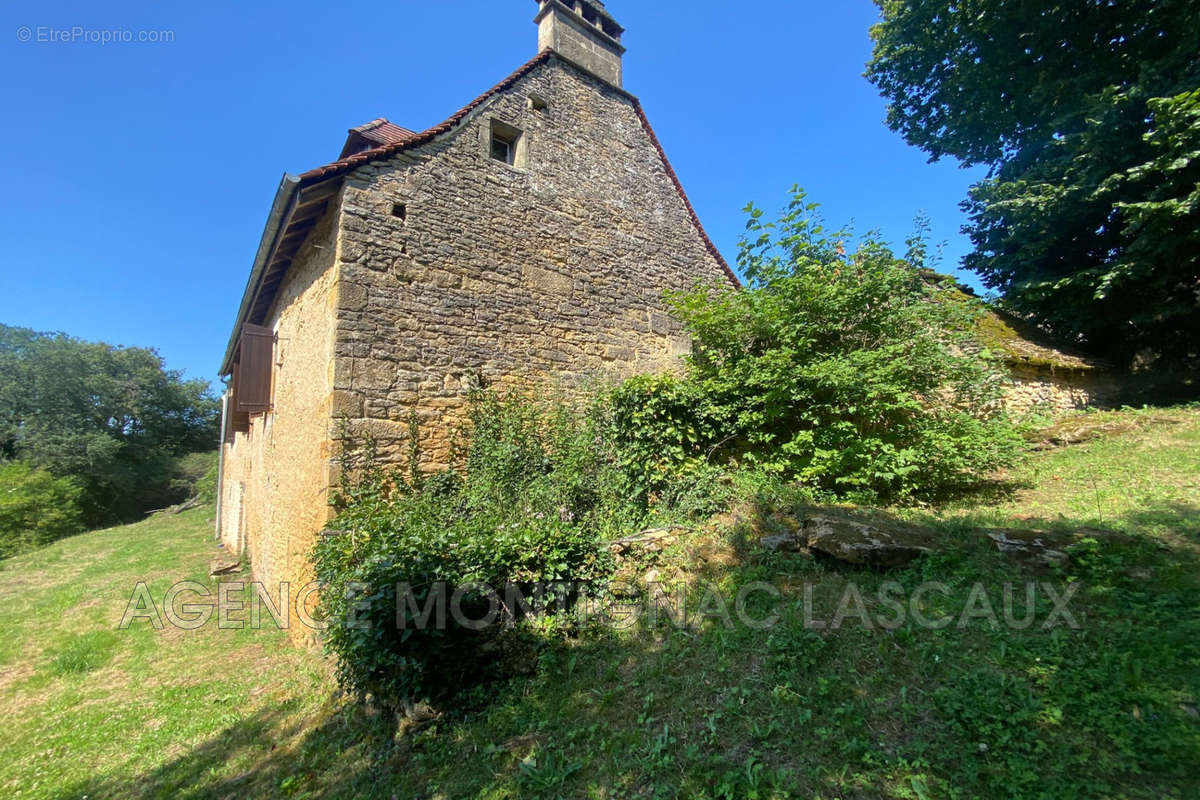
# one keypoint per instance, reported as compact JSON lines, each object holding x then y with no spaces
{"x":556,"y":269}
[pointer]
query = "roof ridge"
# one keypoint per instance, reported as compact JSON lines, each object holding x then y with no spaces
{"x":358,"y":159}
{"x":367,"y":126}
{"x":348,"y":163}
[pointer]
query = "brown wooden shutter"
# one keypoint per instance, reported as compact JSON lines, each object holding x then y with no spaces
{"x":236,"y":421}
{"x":252,"y":372}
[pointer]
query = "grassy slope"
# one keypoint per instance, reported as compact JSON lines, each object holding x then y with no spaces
{"x":1107,"y":711}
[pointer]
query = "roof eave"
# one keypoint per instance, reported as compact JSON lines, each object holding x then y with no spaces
{"x":266,"y":245}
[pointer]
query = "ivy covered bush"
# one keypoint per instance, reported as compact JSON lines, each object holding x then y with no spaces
{"x":537,"y":498}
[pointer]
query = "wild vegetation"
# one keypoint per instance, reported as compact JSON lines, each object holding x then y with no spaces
{"x":1108,"y":710}
{"x":844,"y":367}
{"x":35,"y":507}
{"x":536,"y":502}
{"x":1087,"y":115}
{"x":847,"y":374}
{"x":92,"y":434}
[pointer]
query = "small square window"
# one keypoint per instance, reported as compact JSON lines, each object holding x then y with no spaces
{"x":502,"y":150}
{"x":506,"y":144}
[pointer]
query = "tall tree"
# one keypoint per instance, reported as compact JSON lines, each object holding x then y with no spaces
{"x":1087,"y":113}
{"x":112,"y":418}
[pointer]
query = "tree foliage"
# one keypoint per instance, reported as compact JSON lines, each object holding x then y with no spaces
{"x":853,"y":372}
{"x":35,"y":508}
{"x":113,"y":419}
{"x":1086,"y":112}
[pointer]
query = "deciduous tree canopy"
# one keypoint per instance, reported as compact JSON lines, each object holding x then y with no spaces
{"x":112,"y":418}
{"x":1087,"y":112}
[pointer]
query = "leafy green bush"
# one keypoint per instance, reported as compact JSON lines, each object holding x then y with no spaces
{"x":854,"y":373}
{"x":665,"y":429}
{"x":537,"y":500}
{"x":35,"y":508}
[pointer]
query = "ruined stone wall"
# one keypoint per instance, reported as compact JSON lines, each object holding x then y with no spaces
{"x":454,"y":264}
{"x":1050,"y":390}
{"x":276,"y":477}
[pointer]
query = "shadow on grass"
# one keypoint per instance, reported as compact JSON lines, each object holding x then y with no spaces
{"x":280,"y":755}
{"x":717,"y":712}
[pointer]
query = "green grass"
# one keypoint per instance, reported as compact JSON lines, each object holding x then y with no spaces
{"x":1109,"y":710}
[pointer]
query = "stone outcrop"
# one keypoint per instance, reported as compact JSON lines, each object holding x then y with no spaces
{"x":1037,"y":547}
{"x":855,"y":541}
{"x":873,"y":542}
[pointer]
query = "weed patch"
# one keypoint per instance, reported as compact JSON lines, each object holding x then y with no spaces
{"x":84,"y":653}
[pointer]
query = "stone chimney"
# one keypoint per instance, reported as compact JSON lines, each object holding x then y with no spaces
{"x":583,"y":32}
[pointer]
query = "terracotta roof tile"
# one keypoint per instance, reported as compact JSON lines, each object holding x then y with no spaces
{"x":373,"y":134}
{"x":348,"y":163}
{"x":383,"y":131}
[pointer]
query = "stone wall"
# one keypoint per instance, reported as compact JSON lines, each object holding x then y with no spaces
{"x":455,"y":265}
{"x":1053,"y":390}
{"x":276,"y":477}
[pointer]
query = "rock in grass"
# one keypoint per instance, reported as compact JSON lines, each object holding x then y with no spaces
{"x":1029,"y":545}
{"x":865,"y":543}
{"x":651,"y":540}
{"x":788,"y":542}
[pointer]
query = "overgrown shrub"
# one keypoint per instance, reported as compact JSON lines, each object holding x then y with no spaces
{"x":665,"y":427}
{"x":35,"y":508}
{"x":852,"y":372}
{"x":538,"y":497}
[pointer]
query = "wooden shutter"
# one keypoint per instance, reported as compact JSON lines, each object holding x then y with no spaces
{"x":252,"y":372}
{"x":235,"y":421}
{"x":239,"y":422}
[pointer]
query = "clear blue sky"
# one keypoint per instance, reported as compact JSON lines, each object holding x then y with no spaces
{"x":139,"y":175}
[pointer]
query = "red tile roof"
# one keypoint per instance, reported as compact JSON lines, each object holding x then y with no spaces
{"x":351,"y":162}
{"x":404,"y":139}
{"x":373,"y":134}
{"x":383,"y":131}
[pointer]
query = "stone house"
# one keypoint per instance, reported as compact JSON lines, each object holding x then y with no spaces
{"x":1044,"y":375}
{"x":531,"y":234}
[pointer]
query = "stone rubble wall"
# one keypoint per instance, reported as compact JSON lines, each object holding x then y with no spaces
{"x":1050,"y":390}
{"x":552,"y":270}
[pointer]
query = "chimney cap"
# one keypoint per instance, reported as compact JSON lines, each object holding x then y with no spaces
{"x":596,"y":5}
